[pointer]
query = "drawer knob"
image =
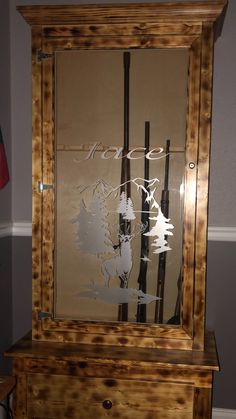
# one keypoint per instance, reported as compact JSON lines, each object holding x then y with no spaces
{"x":107,"y":404}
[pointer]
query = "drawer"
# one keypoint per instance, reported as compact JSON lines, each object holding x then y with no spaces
{"x":58,"y":396}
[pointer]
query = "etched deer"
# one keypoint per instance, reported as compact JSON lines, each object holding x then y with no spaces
{"x":121,"y":264}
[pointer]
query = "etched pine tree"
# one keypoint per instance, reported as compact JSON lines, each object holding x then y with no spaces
{"x":122,"y":203}
{"x":93,"y":232}
{"x":83,"y":220}
{"x":126,"y":207}
{"x":161,"y":230}
{"x":129,"y":213}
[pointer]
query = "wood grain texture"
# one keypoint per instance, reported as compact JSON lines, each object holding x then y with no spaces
{"x":202,"y":403}
{"x":202,"y":192}
{"x":84,"y":397}
{"x":120,"y":13}
{"x":99,"y":369}
{"x":94,"y":333}
{"x":120,"y":334}
{"x":48,"y":163}
{"x":67,"y":380}
{"x":36,"y":178}
{"x":123,"y":42}
{"x":120,"y":29}
{"x":20,"y":392}
{"x":194,"y":359}
{"x":142,"y":369}
{"x":191,"y":186}
{"x":162,"y":25}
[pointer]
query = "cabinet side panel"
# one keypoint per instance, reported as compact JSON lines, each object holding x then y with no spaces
{"x":190,"y":182}
{"x":36,"y":177}
{"x":48,"y":179}
{"x":202,"y":192}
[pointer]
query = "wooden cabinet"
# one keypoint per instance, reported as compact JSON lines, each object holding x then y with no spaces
{"x":121,"y":140}
{"x":58,"y":380}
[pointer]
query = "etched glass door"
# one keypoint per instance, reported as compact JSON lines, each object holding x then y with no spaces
{"x":120,"y":133}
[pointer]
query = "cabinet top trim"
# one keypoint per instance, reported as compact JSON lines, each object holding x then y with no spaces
{"x":202,"y":360}
{"x":114,"y":13}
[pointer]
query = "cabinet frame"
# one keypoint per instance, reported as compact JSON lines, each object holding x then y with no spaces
{"x":190,"y":25}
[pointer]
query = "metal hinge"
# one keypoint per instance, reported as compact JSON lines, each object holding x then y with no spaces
{"x":44,"y":315}
{"x":43,"y":186}
{"x":43,"y":55}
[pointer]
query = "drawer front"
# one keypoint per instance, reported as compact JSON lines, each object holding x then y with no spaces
{"x":58,"y":396}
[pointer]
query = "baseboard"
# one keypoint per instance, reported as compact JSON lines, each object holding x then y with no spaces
{"x":221,"y":234}
{"x":24,"y":228}
{"x":223,"y":414}
{"x":15,"y":229}
{"x":5,"y":230}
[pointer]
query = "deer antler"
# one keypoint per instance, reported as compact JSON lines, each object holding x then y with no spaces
{"x":141,"y":227}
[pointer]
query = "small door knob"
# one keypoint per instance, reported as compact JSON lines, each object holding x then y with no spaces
{"x":107,"y":404}
{"x":191,"y":165}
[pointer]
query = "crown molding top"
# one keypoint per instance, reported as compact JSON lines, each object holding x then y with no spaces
{"x":193,"y":11}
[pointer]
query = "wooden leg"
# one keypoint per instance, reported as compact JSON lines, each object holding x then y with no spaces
{"x":203,"y":403}
{"x":19,"y":398}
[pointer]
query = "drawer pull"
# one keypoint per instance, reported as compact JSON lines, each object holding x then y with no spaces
{"x":107,"y":404}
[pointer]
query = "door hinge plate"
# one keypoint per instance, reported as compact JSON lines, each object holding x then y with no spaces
{"x":44,"y":315}
{"x":43,"y":55}
{"x":43,"y":186}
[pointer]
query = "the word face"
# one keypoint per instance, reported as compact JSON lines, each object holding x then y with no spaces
{"x":117,"y":153}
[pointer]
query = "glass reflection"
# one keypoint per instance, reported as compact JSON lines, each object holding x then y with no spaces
{"x":119,"y":177}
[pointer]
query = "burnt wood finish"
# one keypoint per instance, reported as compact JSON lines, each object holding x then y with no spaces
{"x":195,"y":12}
{"x":202,"y":180}
{"x":188,"y":25}
{"x":76,"y":381}
{"x":80,"y":369}
{"x":36,"y":177}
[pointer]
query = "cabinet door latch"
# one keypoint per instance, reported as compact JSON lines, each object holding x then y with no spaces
{"x":43,"y":186}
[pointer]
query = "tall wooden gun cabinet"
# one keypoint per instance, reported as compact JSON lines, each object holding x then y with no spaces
{"x":121,"y":141}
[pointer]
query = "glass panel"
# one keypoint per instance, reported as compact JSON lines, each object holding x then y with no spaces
{"x":118,"y":250}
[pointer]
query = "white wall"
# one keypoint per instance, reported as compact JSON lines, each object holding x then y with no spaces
{"x":223,"y":164}
{"x":5,"y":118}
{"x":20,"y":116}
